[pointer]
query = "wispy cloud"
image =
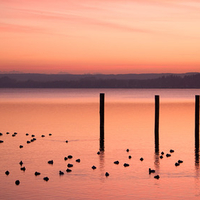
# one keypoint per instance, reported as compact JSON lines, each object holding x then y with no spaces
{"x":109,"y":15}
{"x":6,"y":27}
{"x":76,"y":18}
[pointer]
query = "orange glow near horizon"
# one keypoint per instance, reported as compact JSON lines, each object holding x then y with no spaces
{"x":100,"y":36}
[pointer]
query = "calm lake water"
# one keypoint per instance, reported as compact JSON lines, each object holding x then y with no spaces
{"x":73,"y":115}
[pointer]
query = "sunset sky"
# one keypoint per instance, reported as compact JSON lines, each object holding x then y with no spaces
{"x":100,"y":36}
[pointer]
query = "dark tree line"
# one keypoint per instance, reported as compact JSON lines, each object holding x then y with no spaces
{"x":172,"y":81}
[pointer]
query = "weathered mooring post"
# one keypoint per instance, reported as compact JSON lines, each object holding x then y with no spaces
{"x":101,"y":121}
{"x":197,"y":122}
{"x":156,"y":123}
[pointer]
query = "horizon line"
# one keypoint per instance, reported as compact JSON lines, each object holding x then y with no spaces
{"x":66,"y":73}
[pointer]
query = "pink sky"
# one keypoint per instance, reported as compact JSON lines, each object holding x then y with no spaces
{"x":97,"y":36}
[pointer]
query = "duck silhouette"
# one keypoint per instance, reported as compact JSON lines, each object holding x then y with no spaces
{"x":177,"y":164}
{"x":17,"y":182}
{"x":46,"y":178}
{"x":23,"y":169}
{"x":69,"y":165}
{"x":93,"y":167}
{"x":151,"y":171}
{"x":126,"y":164}
{"x":68,"y":170}
{"x":107,"y":174}
{"x":7,"y":173}
{"x":37,"y":173}
{"x":21,"y":163}
{"x":157,"y":177}
{"x":61,"y":173}
{"x":50,"y":162}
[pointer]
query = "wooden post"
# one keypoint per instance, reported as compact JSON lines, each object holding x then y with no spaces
{"x":156,"y":123}
{"x":197,"y":122}
{"x":101,"y":121}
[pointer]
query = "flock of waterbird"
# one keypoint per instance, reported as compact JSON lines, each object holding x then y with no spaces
{"x":69,"y":165}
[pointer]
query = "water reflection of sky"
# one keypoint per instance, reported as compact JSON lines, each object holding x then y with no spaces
{"x":127,"y":125}
{"x":92,"y":95}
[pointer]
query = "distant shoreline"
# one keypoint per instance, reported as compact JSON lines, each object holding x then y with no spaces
{"x":123,"y":81}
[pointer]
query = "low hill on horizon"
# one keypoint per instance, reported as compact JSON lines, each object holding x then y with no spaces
{"x":74,"y":77}
{"x":165,"y":80}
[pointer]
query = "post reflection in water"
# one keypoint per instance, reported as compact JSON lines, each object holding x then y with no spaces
{"x":157,"y":161}
{"x":101,"y":163}
{"x":197,"y":193}
{"x":197,"y":158}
